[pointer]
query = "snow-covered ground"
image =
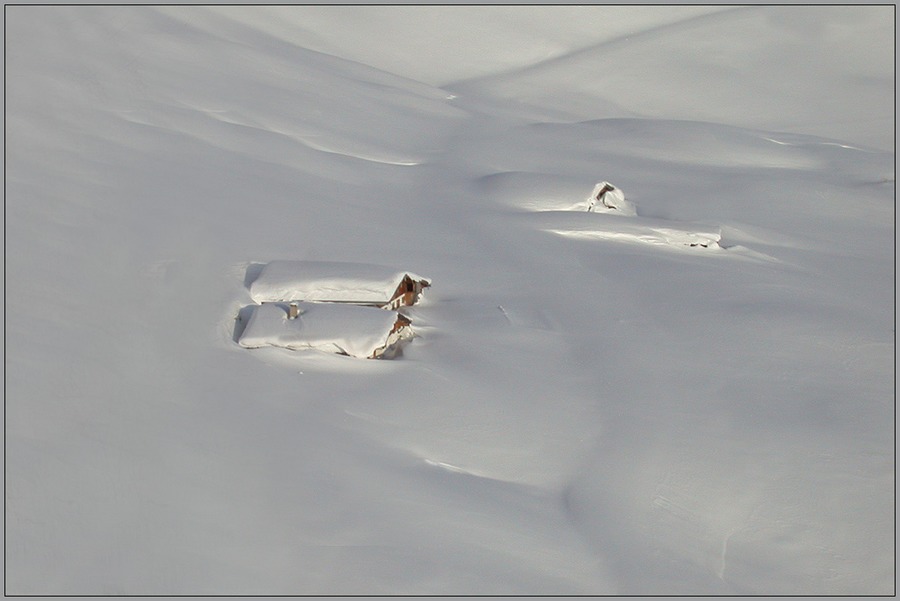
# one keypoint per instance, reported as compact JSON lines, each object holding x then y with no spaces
{"x":592,"y":404}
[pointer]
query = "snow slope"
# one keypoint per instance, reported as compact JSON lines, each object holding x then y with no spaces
{"x":579,"y":414}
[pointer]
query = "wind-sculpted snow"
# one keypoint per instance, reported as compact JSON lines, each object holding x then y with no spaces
{"x":591,"y":404}
{"x":723,"y":67}
{"x":451,"y":43}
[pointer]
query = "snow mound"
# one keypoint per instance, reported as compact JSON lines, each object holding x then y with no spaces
{"x":326,"y":281}
{"x":575,"y":416}
{"x":363,"y":332}
{"x":606,"y":198}
{"x":538,"y":191}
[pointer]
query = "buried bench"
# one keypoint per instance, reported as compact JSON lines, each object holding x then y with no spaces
{"x":332,"y":307}
{"x":331,"y":282}
{"x":356,"y":331}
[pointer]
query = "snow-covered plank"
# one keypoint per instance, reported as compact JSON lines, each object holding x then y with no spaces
{"x":327,"y":281}
{"x":363,"y":332}
{"x":645,"y":230}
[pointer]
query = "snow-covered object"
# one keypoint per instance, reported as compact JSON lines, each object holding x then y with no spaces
{"x":606,"y":198}
{"x":326,"y":281}
{"x":660,"y":232}
{"x":582,"y":417}
{"x":363,"y":332}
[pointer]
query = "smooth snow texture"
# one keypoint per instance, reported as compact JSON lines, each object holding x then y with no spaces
{"x":723,"y":67}
{"x":328,"y":281}
{"x":579,"y":414}
{"x":362,"y":332}
{"x":443,"y":44}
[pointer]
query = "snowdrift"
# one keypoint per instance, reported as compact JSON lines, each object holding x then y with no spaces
{"x":641,"y":230}
{"x":593,"y":406}
{"x":606,"y":198}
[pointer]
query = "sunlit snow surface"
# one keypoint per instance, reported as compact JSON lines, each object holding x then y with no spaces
{"x":349,"y":330}
{"x":327,"y":281}
{"x":590,"y":406}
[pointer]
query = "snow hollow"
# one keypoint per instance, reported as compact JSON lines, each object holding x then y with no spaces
{"x":680,"y":384}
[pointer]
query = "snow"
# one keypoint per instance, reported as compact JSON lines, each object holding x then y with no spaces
{"x":590,"y":405}
{"x":647,"y":231}
{"x":361,"y":332}
{"x":326,"y":281}
{"x":606,"y":198}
